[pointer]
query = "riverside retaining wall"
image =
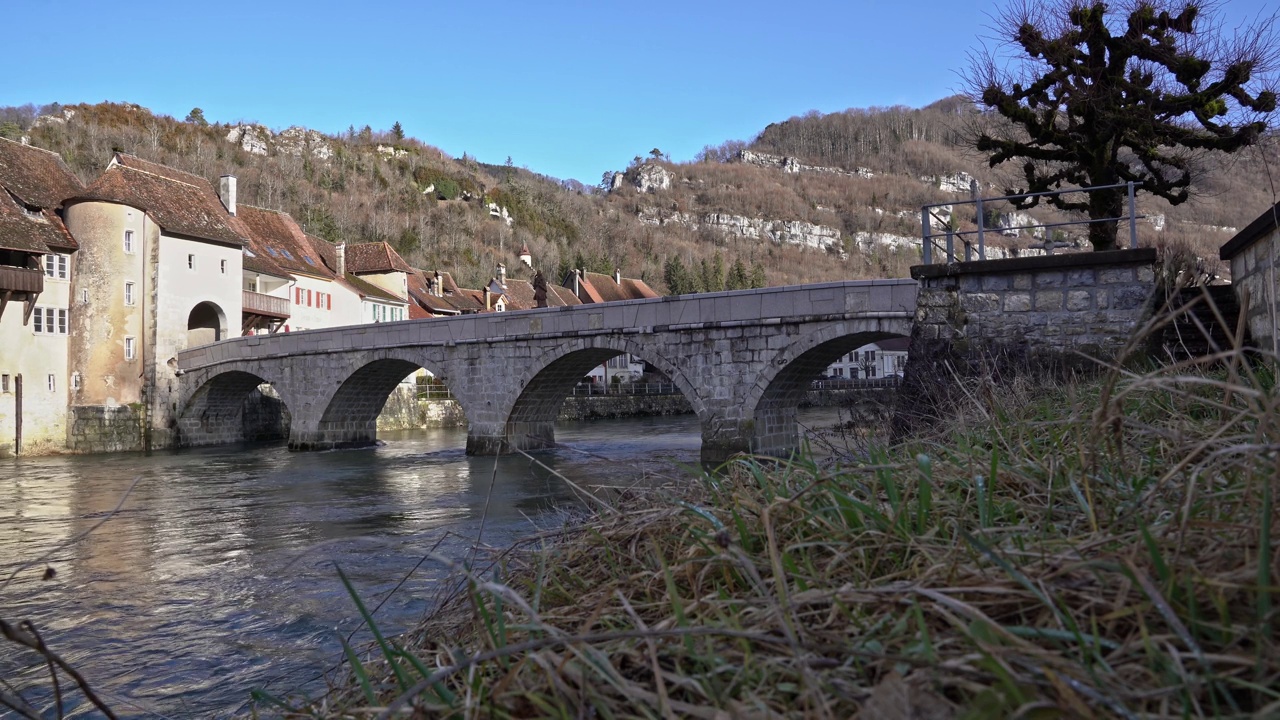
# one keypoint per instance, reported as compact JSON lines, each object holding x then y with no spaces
{"x":1049,"y":315}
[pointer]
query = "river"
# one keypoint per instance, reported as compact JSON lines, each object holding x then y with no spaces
{"x":216,"y":576}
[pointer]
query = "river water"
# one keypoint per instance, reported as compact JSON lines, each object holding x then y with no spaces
{"x":216,"y":576}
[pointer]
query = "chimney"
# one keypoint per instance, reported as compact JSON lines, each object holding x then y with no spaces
{"x":437,"y":285}
{"x":488,"y":301}
{"x":502,"y":275}
{"x":577,"y":282}
{"x":342,"y":260}
{"x":617,"y":276}
{"x":227,"y":192}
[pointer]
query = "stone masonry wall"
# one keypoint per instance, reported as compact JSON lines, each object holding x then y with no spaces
{"x":1041,"y":315}
{"x":101,"y":428}
{"x":1256,"y":267}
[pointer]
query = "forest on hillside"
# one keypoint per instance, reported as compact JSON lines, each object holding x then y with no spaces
{"x":446,"y":213}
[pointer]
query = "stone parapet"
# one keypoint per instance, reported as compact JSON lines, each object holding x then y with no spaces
{"x":1043,"y":315}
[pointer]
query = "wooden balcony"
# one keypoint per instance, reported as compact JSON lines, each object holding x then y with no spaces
{"x":21,"y":280}
{"x":265,"y":305}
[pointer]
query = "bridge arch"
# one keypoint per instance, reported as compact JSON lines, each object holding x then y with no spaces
{"x":349,"y":417}
{"x":527,"y":417}
{"x":773,"y":400}
{"x":217,"y":411}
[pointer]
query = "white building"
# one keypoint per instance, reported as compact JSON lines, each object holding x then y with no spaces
{"x":36,"y":272}
{"x":886,"y":358}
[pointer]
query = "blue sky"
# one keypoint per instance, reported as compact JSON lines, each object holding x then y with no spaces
{"x":569,"y":89}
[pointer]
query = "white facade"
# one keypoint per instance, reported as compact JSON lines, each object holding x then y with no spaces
{"x":869,"y":362}
{"x":35,"y":355}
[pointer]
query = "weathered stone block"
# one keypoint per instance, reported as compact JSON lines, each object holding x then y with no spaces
{"x":1111,"y":276}
{"x":1017,"y":302}
{"x":1079,"y":300}
{"x":1022,"y":281}
{"x":991,"y":283}
{"x":1050,"y":279}
{"x":980,"y":302}
{"x":1129,"y":298}
{"x":1085,"y":277}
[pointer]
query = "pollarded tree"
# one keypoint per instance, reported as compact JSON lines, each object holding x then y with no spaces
{"x":1102,"y":95}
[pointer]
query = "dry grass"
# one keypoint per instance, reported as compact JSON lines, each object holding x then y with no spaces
{"x":1098,"y":549}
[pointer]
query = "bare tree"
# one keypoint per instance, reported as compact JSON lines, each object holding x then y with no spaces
{"x":1100,"y":95}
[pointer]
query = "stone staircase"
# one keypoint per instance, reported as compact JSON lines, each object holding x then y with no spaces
{"x":1199,"y":332}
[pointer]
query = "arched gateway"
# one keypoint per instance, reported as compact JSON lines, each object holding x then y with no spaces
{"x":741,"y":358}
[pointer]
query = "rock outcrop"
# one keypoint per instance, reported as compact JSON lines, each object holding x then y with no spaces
{"x":793,"y":165}
{"x":297,"y":141}
{"x":789,"y":232}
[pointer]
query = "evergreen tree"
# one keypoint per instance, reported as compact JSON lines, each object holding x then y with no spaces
{"x":716,"y":280}
{"x":676,"y":276}
{"x":196,"y":116}
{"x":757,"y":275}
{"x":397,"y":132}
{"x":737,"y":279}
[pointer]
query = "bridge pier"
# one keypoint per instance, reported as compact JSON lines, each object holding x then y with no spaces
{"x":334,"y":436}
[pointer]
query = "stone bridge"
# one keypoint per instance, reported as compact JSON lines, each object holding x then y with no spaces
{"x":743,"y":359}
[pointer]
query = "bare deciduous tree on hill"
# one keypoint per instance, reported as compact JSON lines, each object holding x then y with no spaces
{"x":1099,"y":94}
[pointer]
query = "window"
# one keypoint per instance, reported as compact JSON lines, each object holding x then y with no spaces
{"x":128,"y":293}
{"x":49,"y":321}
{"x":224,"y":266}
{"x":75,"y":381}
{"x":297,"y":296}
{"x":55,"y":266}
{"x":52,"y":381}
{"x":4,"y":383}
{"x":128,"y":241}
{"x":129,"y":350}
{"x":191,"y":262}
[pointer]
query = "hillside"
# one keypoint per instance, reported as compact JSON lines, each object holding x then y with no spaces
{"x":813,"y":198}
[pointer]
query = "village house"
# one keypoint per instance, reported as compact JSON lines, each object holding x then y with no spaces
{"x":381,"y":277}
{"x":883,"y":359}
{"x":309,"y":296}
{"x":36,"y":271}
{"x":591,"y":287}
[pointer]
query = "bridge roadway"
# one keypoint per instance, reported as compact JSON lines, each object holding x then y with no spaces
{"x":743,"y":359}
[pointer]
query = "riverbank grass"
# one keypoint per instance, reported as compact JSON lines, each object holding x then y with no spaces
{"x":1100,"y":548}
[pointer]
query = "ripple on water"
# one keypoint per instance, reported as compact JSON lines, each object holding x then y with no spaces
{"x":217,"y":574}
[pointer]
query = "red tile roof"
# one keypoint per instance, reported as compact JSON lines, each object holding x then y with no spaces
{"x":520,"y":296}
{"x":325,"y":251}
{"x":376,"y":257}
{"x":181,"y":203}
{"x":276,"y":235}
{"x":425,"y":303}
{"x":36,"y":177}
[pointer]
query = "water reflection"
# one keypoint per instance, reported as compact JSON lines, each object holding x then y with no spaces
{"x":216,"y":575}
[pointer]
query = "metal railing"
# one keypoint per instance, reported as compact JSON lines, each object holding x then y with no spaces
{"x":17,"y":279}
{"x":927,"y":216}
{"x":889,"y":382}
{"x":260,"y":304}
{"x":434,"y":392}
{"x":595,"y":389}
